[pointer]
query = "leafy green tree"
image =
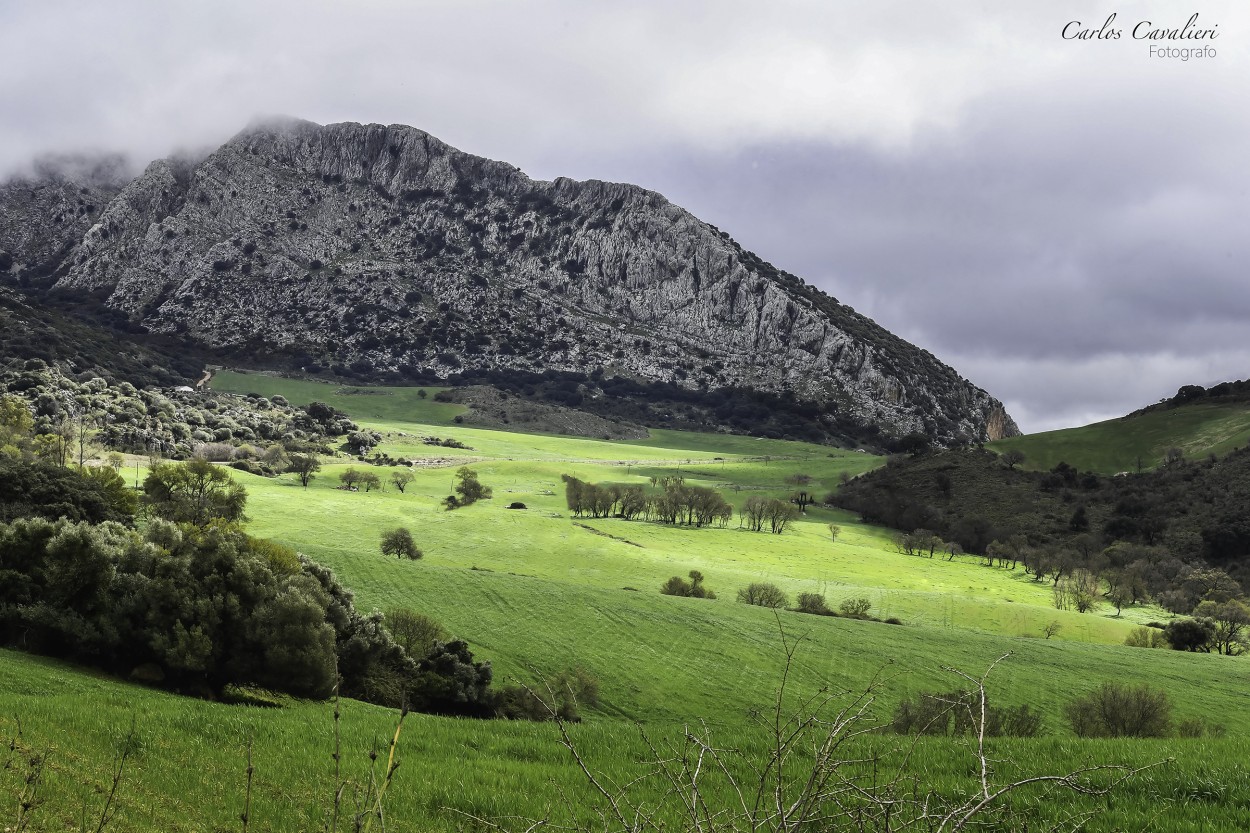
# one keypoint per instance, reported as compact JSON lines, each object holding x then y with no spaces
{"x":16,"y":427}
{"x":1196,"y":635}
{"x":362,"y":442}
{"x":469,"y":489}
{"x":398,"y":542}
{"x":1230,"y":620}
{"x":195,"y":492}
{"x":451,"y":682}
{"x":401,"y":478}
{"x":305,"y":467}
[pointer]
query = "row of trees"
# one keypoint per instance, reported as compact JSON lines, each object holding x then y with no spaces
{"x":1084,"y":576}
{"x":677,"y":502}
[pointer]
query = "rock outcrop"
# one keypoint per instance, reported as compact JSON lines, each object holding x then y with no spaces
{"x":370,"y":248}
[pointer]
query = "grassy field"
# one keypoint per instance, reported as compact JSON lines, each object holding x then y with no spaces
{"x":535,"y":590}
{"x":1137,"y":442}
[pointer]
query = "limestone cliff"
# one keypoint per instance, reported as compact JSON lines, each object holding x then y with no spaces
{"x":382,"y":248}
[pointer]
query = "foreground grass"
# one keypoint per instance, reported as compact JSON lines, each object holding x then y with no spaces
{"x":187,"y":770}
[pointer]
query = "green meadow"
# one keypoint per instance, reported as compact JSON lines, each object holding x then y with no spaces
{"x":536,"y":590}
{"x":1138,"y":441}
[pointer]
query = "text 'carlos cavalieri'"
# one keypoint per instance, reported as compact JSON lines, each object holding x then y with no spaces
{"x":1148,"y":30}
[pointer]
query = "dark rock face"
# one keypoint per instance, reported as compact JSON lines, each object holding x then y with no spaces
{"x":382,"y":248}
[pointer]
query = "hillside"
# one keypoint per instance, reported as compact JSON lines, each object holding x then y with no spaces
{"x":536,"y":590}
{"x":1197,"y":426}
{"x":375,"y":250}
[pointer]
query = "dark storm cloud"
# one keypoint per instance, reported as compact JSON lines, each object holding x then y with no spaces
{"x":1061,"y":221}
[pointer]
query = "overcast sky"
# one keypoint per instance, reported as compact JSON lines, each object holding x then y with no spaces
{"x":1066,"y":222}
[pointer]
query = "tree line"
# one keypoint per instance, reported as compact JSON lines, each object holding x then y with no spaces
{"x":676,"y":502}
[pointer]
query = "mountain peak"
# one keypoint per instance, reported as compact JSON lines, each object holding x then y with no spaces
{"x":381,"y":249}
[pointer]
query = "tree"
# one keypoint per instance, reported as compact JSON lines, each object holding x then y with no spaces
{"x":468,"y":489}
{"x":1077,"y":591}
{"x":779,"y":514}
{"x":401,"y":478}
{"x":764,"y":594}
{"x":362,"y":442}
{"x":305,"y":467}
{"x":415,"y":632}
{"x":195,"y":492}
{"x":834,"y":532}
{"x":1190,"y":635}
{"x":802,"y":499}
{"x":16,"y":427}
{"x":398,"y":542}
{"x":1013,"y":457}
{"x":349,"y":478}
{"x":1230,"y":620}
{"x":369,"y":480}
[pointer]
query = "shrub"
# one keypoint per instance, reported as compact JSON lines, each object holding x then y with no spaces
{"x":764,"y":594}
{"x":958,"y":713}
{"x":1191,"y":727}
{"x":1146,"y":637}
{"x":560,"y":697}
{"x":1116,"y":710}
{"x":675,"y":586}
{"x":856,"y":608}
{"x":678,"y":586}
{"x":813,"y":603}
{"x":1190,"y":634}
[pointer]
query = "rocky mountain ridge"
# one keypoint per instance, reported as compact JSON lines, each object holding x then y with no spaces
{"x":368,"y":249}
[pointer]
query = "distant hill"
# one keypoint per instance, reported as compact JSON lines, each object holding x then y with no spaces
{"x":381,"y":252}
{"x":1197,"y":421}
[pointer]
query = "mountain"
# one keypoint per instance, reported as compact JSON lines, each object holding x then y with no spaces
{"x":372,"y":250}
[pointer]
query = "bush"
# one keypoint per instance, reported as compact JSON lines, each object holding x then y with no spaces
{"x":560,"y":697}
{"x":813,"y":603}
{"x":678,"y":586}
{"x":1116,"y":710}
{"x":856,"y":608}
{"x":1146,"y":637}
{"x":764,"y":594}
{"x":958,"y":713}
